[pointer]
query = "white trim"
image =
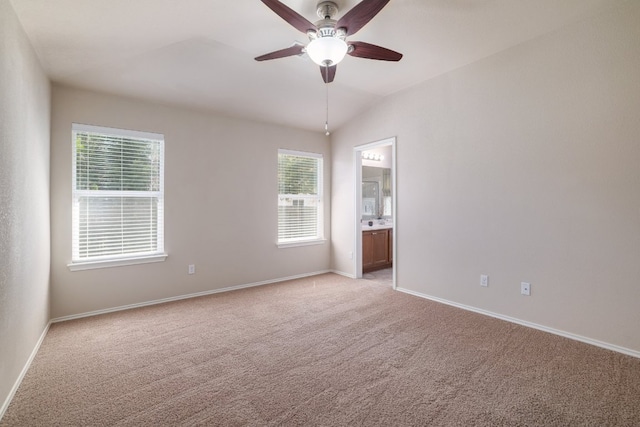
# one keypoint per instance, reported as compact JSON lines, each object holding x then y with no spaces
{"x":26,"y":367}
{"x":554,"y":331}
{"x":78,"y":127}
{"x":90,"y":265}
{"x":187,"y":296}
{"x":342,"y":273}
{"x":394,"y":213}
{"x":319,"y":197}
{"x":299,"y":153}
{"x":357,"y":165}
{"x":153,"y":138}
{"x":301,"y":243}
{"x":575,"y":337}
{"x":357,"y":203}
{"x":118,"y":193}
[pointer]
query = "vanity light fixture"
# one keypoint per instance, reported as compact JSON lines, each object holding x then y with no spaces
{"x":372,"y":156}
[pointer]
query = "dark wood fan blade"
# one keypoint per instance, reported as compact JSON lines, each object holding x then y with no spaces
{"x":328,"y":73}
{"x":291,"y":16}
{"x":360,"y":14}
{"x":371,"y":51}
{"x":282,"y":53}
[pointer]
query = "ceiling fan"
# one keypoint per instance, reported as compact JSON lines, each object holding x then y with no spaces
{"x":327,"y":38}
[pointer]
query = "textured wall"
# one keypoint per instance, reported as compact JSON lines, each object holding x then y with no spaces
{"x":220,"y":204}
{"x":24,"y":199}
{"x":523,"y":166}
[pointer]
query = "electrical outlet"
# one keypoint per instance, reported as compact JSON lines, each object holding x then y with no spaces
{"x":484,"y":280}
{"x":350,"y":254}
{"x":192,"y":269}
{"x":525,"y":288}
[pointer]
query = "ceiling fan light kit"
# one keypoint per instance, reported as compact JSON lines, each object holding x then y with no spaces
{"x":328,"y":43}
{"x":327,"y":51}
{"x":327,"y":46}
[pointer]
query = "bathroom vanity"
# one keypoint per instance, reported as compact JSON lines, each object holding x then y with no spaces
{"x":377,"y":247}
{"x":376,"y":219}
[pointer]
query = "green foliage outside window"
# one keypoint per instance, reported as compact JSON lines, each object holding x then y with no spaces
{"x":297,"y":175}
{"x":116,"y":163}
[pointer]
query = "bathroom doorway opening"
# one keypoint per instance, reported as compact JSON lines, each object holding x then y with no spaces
{"x":376,"y":206}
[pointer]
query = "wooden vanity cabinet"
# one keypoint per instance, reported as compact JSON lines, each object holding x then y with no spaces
{"x":376,"y":249}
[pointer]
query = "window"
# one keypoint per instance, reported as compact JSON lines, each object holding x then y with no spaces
{"x":118,"y":197}
{"x":300,"y":219}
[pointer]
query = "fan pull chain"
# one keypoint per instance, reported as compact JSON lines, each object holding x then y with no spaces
{"x":326,"y":123}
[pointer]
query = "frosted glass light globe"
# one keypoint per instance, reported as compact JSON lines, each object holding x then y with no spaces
{"x":327,"y":51}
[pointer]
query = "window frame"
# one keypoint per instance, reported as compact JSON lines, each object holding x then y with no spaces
{"x":114,"y":260}
{"x":319,"y":238}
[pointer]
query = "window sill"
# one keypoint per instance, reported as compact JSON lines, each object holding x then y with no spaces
{"x":90,"y":265}
{"x":302,"y":243}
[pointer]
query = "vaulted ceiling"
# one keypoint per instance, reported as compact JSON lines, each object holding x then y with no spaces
{"x":199,"y":53}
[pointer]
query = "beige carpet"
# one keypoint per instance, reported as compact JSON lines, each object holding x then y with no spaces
{"x":326,"y":351}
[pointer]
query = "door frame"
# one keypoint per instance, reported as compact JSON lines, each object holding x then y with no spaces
{"x":357,"y":168}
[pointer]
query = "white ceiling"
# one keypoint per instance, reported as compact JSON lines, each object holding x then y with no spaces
{"x":199,"y":53}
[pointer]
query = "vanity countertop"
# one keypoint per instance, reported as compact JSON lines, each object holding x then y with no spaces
{"x":376,"y":226}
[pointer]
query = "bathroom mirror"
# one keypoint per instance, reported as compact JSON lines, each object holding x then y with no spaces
{"x":370,"y":199}
{"x":376,"y":192}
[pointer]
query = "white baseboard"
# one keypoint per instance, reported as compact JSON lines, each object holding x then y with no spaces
{"x":342,"y":273}
{"x":14,"y":389}
{"x":580,"y":338}
{"x":181,"y":297}
{"x":569,"y":335}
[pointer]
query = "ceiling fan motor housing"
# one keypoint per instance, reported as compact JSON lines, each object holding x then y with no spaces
{"x":325,"y":31}
{"x":326,"y":27}
{"x":327,"y":9}
{"x":327,"y":38}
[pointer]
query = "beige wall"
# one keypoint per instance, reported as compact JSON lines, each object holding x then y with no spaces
{"x":220,"y":204}
{"x":24,"y":200}
{"x":524,"y":166}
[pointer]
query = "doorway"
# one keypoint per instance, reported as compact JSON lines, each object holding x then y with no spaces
{"x":376,"y":203}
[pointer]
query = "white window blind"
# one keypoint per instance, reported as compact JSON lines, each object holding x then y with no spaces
{"x":299,"y":197}
{"x":118,"y":194}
